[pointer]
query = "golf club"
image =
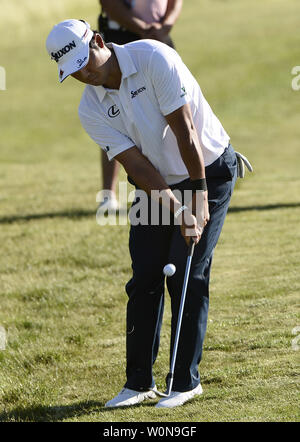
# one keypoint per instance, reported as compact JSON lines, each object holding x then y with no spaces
{"x":179,"y":320}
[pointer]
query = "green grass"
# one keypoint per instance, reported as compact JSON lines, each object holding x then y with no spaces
{"x":62,"y":276}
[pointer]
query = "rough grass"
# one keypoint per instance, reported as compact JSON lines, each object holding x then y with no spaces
{"x":62,"y":276}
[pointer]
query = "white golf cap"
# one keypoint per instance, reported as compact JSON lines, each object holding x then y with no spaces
{"x":68,"y":45}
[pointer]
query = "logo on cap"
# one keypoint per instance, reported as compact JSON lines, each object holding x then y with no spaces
{"x":57,"y":55}
{"x":81,"y":61}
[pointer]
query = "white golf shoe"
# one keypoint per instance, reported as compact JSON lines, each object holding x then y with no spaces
{"x":178,"y":398}
{"x":128,"y":397}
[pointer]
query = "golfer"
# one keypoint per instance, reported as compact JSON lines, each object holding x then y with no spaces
{"x":144,"y":108}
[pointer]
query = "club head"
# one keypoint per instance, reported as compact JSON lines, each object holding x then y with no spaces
{"x":169,"y":386}
{"x":160,"y":393}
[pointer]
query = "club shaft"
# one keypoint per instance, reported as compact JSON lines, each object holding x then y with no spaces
{"x":180,"y":315}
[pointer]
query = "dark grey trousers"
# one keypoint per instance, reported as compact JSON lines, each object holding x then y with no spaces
{"x":151,"y":248}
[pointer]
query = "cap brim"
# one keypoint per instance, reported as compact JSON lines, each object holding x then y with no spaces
{"x":79,"y":61}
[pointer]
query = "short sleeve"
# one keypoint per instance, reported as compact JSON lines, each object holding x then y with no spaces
{"x":166,"y":70}
{"x":108,"y":138}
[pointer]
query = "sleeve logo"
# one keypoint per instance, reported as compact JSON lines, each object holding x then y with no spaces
{"x":183,"y":91}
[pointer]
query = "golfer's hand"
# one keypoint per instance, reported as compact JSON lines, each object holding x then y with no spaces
{"x":189,"y":227}
{"x":199,"y":208}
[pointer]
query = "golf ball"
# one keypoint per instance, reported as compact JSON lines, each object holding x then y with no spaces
{"x":169,"y":269}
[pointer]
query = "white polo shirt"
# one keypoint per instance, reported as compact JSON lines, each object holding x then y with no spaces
{"x":155,"y":82}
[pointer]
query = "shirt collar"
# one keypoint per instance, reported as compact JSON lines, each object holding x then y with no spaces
{"x":126,"y":64}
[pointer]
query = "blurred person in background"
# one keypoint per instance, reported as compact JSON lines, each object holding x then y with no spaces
{"x":120,"y":22}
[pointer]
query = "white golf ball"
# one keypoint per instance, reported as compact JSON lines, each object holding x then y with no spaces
{"x":169,"y":269}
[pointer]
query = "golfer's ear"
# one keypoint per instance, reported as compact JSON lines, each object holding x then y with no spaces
{"x":99,"y":40}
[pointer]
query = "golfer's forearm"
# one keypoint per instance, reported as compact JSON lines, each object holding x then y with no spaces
{"x":181,"y":123}
{"x":192,"y":155}
{"x":118,"y":11}
{"x":148,"y":178}
{"x":172,"y":13}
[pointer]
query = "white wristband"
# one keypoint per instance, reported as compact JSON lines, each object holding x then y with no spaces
{"x":179,"y":211}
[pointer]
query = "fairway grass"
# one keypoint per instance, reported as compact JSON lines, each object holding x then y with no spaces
{"x":62,"y":276}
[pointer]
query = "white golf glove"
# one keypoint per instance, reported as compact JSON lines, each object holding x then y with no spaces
{"x":241,"y":161}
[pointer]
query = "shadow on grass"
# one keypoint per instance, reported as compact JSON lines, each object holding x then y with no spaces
{"x":40,"y":413}
{"x":264,"y":207}
{"x":80,"y":213}
{"x":58,"y":413}
{"x":71,"y":214}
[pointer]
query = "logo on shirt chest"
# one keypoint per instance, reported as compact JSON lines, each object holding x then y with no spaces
{"x":138,"y":91}
{"x":113,"y":111}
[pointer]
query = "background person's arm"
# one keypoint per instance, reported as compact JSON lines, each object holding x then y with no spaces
{"x":172,"y":13}
{"x":122,"y":14}
{"x":160,"y":31}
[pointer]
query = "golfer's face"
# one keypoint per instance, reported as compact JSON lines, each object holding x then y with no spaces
{"x":96,"y":71}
